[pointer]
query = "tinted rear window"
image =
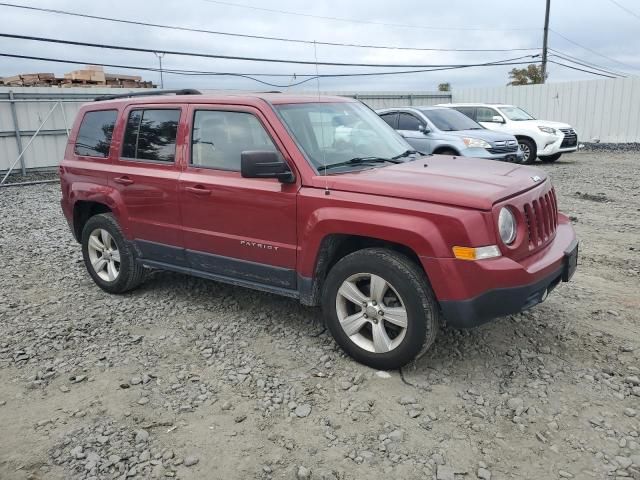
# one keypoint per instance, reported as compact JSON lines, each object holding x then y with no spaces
{"x":94,"y":136}
{"x":449,"y":120}
{"x":390,"y":118}
{"x":151,"y":135}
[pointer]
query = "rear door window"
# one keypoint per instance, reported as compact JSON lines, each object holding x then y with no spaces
{"x":150,"y":134}
{"x":391,"y":119}
{"x":94,"y":135}
{"x":406,"y":121}
{"x":485,"y":114}
{"x":468,"y":111}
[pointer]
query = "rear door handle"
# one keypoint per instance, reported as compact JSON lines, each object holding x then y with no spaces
{"x":123,"y":180}
{"x":198,"y":190}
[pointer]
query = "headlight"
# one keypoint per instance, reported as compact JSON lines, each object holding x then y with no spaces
{"x":547,"y":129}
{"x":475,"y":143}
{"x":507,"y":226}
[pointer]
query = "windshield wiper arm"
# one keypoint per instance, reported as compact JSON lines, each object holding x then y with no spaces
{"x":358,"y":161}
{"x":406,"y":153}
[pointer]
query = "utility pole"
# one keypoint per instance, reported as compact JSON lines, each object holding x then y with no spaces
{"x":160,"y":55}
{"x":544,"y":42}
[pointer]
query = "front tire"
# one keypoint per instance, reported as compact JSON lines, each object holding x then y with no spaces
{"x":550,"y":158}
{"x":380,"y":308}
{"x":529,"y":150}
{"x":109,"y":258}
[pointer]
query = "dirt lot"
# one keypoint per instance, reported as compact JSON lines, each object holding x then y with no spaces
{"x":191,"y":379}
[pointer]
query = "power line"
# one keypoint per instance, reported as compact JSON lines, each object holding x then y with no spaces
{"x":586,"y":63}
{"x":630,"y":12}
{"x":370,"y":22}
{"x":587,"y":66}
{"x":258,"y":37}
{"x":591,"y":50}
{"x":230,"y":57}
{"x":581,"y":69}
{"x":251,"y":76}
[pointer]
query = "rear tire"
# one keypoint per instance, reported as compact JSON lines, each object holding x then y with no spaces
{"x":550,"y":158}
{"x":529,"y":150}
{"x":380,"y":309}
{"x":109,"y":258}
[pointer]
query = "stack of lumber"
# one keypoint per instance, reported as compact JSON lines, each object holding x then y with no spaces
{"x":90,"y":76}
{"x":30,"y":80}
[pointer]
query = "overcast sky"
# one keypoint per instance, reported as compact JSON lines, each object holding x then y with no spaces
{"x":599,"y":25}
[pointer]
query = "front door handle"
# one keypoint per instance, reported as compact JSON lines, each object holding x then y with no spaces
{"x":123,"y":180}
{"x":198,"y":190}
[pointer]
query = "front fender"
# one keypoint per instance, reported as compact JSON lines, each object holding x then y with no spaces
{"x":426,"y":237}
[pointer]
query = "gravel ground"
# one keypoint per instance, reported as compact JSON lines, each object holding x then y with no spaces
{"x":190,"y":379}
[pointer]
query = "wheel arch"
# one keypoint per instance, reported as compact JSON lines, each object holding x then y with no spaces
{"x":87,"y":200}
{"x":521,"y":136}
{"x":444,"y":148}
{"x":336,"y":246}
{"x":83,"y":210}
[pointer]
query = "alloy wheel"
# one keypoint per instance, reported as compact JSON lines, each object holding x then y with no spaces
{"x":371,"y":313}
{"x":104,"y":255}
{"x":526,"y":152}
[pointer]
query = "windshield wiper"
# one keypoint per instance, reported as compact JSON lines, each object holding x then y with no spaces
{"x":359,"y":161}
{"x":406,"y":153}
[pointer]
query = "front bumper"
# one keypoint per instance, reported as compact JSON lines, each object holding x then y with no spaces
{"x":552,"y":144}
{"x":471,"y":293}
{"x":484,"y":154}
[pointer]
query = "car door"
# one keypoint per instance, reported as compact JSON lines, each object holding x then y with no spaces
{"x":243,"y":229}
{"x":411,"y":127}
{"x":485,"y":117}
{"x":145,"y":175}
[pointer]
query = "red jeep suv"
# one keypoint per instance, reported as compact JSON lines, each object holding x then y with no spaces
{"x":315,"y":198}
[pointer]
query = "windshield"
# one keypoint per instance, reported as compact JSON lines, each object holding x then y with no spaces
{"x":451,"y":120}
{"x":516,"y":114}
{"x":332,"y":133}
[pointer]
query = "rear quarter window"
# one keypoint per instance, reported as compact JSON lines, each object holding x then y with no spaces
{"x":94,"y":135}
{"x":468,"y":111}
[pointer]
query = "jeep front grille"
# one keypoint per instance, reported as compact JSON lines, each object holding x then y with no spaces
{"x":542,"y":219}
{"x":570,"y":138}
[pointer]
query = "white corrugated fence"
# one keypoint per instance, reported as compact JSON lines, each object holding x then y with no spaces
{"x":607,"y":110}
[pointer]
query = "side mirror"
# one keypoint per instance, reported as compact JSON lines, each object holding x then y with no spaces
{"x":424,"y":129}
{"x":265,"y":164}
{"x":497,"y":119}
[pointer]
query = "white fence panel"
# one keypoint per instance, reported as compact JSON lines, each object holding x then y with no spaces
{"x":32,"y":104}
{"x":608,"y":110}
{"x":377,"y":100}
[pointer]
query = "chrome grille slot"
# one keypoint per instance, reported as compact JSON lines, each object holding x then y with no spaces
{"x":570,"y":138}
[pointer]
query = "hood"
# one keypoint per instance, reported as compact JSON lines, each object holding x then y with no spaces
{"x":543,"y":123}
{"x":483,"y":134}
{"x":460,"y":181}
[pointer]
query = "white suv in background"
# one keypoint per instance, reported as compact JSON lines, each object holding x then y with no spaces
{"x":537,"y":138}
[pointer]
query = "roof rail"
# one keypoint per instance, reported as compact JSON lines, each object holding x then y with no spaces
{"x":146,"y":93}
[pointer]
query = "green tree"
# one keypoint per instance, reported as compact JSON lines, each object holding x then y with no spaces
{"x":444,"y":87}
{"x":526,"y":76}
